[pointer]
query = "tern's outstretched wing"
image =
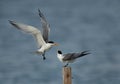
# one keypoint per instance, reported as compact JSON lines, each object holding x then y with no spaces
{"x":31,"y":30}
{"x":72,"y":56}
{"x":45,"y":26}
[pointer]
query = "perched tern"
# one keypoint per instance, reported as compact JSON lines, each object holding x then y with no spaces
{"x":42,"y":39}
{"x":70,"y":57}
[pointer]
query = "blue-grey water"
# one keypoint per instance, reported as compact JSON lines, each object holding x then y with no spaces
{"x":76,"y":25}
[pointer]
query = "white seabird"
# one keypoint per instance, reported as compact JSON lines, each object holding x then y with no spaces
{"x":70,"y":57}
{"x":42,"y":39}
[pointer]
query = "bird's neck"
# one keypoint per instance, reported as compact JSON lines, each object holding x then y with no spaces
{"x":48,"y":46}
{"x":45,"y":48}
{"x":60,"y":57}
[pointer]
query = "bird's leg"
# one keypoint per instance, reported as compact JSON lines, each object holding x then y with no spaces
{"x":66,"y":65}
{"x":44,"y":56}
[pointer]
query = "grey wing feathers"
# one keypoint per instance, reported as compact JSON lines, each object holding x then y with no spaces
{"x":72,"y":56}
{"x":24,"y":28}
{"x":45,"y":26}
{"x":31,"y":30}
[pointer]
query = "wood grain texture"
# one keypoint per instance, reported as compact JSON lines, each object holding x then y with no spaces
{"x":67,"y":75}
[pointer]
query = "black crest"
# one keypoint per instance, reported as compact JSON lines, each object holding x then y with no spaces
{"x":59,"y":52}
{"x":50,"y":42}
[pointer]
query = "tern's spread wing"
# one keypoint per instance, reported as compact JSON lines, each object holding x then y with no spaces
{"x":31,"y":30}
{"x":45,"y":26}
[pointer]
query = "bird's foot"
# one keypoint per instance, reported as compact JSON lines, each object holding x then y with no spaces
{"x":44,"y":58}
{"x":66,"y":65}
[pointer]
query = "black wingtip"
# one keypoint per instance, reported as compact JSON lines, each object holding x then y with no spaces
{"x":10,"y":21}
{"x":38,"y":10}
{"x":40,"y":13}
{"x":85,"y":53}
{"x":13,"y":23}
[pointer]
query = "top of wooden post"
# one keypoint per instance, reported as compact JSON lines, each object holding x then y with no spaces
{"x":67,"y":75}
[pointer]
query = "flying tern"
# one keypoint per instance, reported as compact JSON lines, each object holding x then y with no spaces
{"x":42,"y":39}
{"x":70,"y":57}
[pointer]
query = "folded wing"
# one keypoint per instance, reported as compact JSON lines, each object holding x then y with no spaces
{"x":72,"y":56}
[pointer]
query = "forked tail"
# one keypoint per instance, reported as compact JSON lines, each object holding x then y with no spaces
{"x":84,"y":53}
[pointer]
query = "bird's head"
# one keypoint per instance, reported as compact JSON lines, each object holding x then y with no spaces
{"x":53,"y":43}
{"x":60,"y":55}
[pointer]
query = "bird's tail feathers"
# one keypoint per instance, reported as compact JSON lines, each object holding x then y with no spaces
{"x":84,"y":53}
{"x":36,"y":52}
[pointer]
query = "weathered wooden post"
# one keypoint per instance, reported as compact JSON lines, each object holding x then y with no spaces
{"x":67,"y":77}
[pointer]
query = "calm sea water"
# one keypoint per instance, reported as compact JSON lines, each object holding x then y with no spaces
{"x":76,"y":25}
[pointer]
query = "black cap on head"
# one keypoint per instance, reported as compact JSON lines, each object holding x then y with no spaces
{"x":60,"y":52}
{"x":50,"y":42}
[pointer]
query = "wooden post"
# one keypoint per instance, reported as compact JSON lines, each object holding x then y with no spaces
{"x":67,"y":75}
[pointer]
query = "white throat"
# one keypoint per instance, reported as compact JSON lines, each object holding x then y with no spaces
{"x":60,"y":57}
